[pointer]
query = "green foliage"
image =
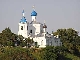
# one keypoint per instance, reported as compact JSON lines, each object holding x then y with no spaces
{"x":23,"y":43}
{"x":27,"y":42}
{"x":69,"y":38}
{"x":49,"y":53}
{"x":20,"y":37}
{"x":15,"y":53}
{"x":70,"y":49}
{"x":7,"y":38}
{"x":10,"y":43}
{"x":72,"y":56}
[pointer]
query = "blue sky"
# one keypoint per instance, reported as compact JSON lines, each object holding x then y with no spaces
{"x":56,"y":13}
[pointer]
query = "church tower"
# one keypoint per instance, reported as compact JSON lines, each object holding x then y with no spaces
{"x":44,"y":28}
{"x":23,"y":26}
{"x":33,"y":14}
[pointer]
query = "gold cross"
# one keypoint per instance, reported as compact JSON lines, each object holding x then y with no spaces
{"x":33,"y":7}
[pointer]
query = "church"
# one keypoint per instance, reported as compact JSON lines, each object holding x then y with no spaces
{"x":37,"y":31}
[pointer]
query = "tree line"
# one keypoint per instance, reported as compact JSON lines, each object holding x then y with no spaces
{"x":7,"y":38}
{"x":11,"y":47}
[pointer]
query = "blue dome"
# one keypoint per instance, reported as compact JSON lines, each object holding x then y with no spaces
{"x":23,"y":20}
{"x":33,"y":13}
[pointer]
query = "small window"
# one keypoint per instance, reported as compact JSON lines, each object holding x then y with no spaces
{"x":30,"y":31}
{"x":36,"y":43}
{"x":27,"y":27}
{"x":21,"y":27}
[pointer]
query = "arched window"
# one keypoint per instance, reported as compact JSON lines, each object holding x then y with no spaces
{"x":30,"y":31}
{"x":21,"y":27}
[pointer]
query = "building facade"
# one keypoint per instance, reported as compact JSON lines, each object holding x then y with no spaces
{"x":37,"y":31}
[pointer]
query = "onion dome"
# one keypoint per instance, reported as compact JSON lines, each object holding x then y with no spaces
{"x":44,"y":26}
{"x":33,"y":13}
{"x":23,"y":20}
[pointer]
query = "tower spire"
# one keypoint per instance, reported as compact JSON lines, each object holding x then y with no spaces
{"x":44,"y":25}
{"x":23,"y":13}
{"x":44,"y":22}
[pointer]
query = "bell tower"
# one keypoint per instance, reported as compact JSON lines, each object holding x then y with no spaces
{"x":23,"y":26}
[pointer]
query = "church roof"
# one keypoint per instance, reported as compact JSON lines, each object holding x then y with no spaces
{"x":33,"y":13}
{"x":35,"y":22}
{"x":23,"y":20}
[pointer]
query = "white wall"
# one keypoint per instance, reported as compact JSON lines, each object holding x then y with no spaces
{"x":33,"y":18}
{"x":51,"y":41}
{"x":41,"y":28}
{"x":24,"y":31}
{"x":31,"y":27}
{"x":37,"y":28}
{"x":41,"y":41}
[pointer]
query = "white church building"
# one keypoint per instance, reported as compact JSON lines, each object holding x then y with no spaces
{"x":37,"y":31}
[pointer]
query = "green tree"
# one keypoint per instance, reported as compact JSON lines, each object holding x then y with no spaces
{"x":15,"y":53}
{"x":7,"y":38}
{"x":48,"y":53}
{"x":29,"y":41}
{"x":69,"y":38}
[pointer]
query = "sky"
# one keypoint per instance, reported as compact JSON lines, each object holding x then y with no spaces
{"x":56,"y":13}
